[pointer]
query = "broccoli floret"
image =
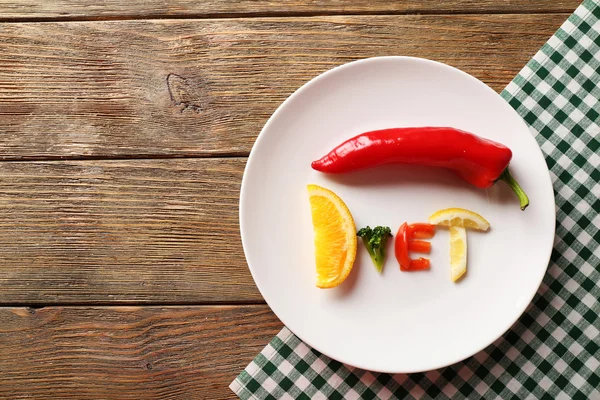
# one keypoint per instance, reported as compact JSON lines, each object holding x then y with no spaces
{"x":375,"y":240}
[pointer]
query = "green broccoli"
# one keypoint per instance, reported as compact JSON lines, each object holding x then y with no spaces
{"x":375,"y":240}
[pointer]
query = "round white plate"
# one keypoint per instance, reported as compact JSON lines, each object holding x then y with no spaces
{"x":395,"y":321}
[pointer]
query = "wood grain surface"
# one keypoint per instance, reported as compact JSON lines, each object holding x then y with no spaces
{"x":99,"y":102}
{"x":31,"y":9}
{"x":206,"y":87}
{"x":184,"y":353}
{"x":122,"y":231}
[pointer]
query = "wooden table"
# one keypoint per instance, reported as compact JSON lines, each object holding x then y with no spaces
{"x":124,"y":131}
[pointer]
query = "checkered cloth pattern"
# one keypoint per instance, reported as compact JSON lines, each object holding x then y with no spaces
{"x":553,"y":351}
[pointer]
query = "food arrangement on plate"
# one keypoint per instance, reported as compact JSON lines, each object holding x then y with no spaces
{"x":379,"y":237}
{"x":481,"y":162}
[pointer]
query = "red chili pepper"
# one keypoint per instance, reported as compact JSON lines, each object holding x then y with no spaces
{"x":478,"y":161}
{"x":405,"y":243}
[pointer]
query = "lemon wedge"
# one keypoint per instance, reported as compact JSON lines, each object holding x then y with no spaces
{"x":458,"y":220}
{"x":458,"y":252}
{"x":459,"y":217}
{"x":335,"y":236}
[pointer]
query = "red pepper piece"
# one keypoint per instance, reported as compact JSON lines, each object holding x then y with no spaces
{"x":401,"y":247}
{"x":419,"y":264}
{"x":405,"y":243}
{"x":419,"y":246}
{"x":479,"y":161}
{"x":421,"y":231}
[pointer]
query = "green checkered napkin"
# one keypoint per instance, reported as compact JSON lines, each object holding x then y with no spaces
{"x":553,"y":351}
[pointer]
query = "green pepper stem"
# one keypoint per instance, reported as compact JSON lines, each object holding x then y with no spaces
{"x":514,"y":185}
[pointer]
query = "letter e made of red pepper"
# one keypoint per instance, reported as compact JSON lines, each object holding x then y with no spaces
{"x":408,"y":239}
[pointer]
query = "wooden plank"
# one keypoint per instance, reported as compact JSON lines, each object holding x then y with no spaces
{"x":30,"y":9}
{"x":122,"y":231}
{"x":206,"y":87}
{"x":129,"y":352}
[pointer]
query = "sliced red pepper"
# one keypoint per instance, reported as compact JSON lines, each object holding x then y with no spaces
{"x":419,"y":264}
{"x":401,"y":247}
{"x":421,"y":231}
{"x":405,"y":243}
{"x":419,"y":246}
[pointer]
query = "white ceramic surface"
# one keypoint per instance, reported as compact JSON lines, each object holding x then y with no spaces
{"x":395,"y":321}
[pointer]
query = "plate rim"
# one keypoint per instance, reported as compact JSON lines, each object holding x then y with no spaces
{"x":252,"y":156}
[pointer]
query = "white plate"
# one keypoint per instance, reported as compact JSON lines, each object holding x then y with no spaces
{"x":395,"y":321}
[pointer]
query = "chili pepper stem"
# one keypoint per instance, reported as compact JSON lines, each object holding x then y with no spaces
{"x":514,"y":185}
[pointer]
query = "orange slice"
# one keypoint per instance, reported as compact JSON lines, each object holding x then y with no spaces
{"x":335,"y":236}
